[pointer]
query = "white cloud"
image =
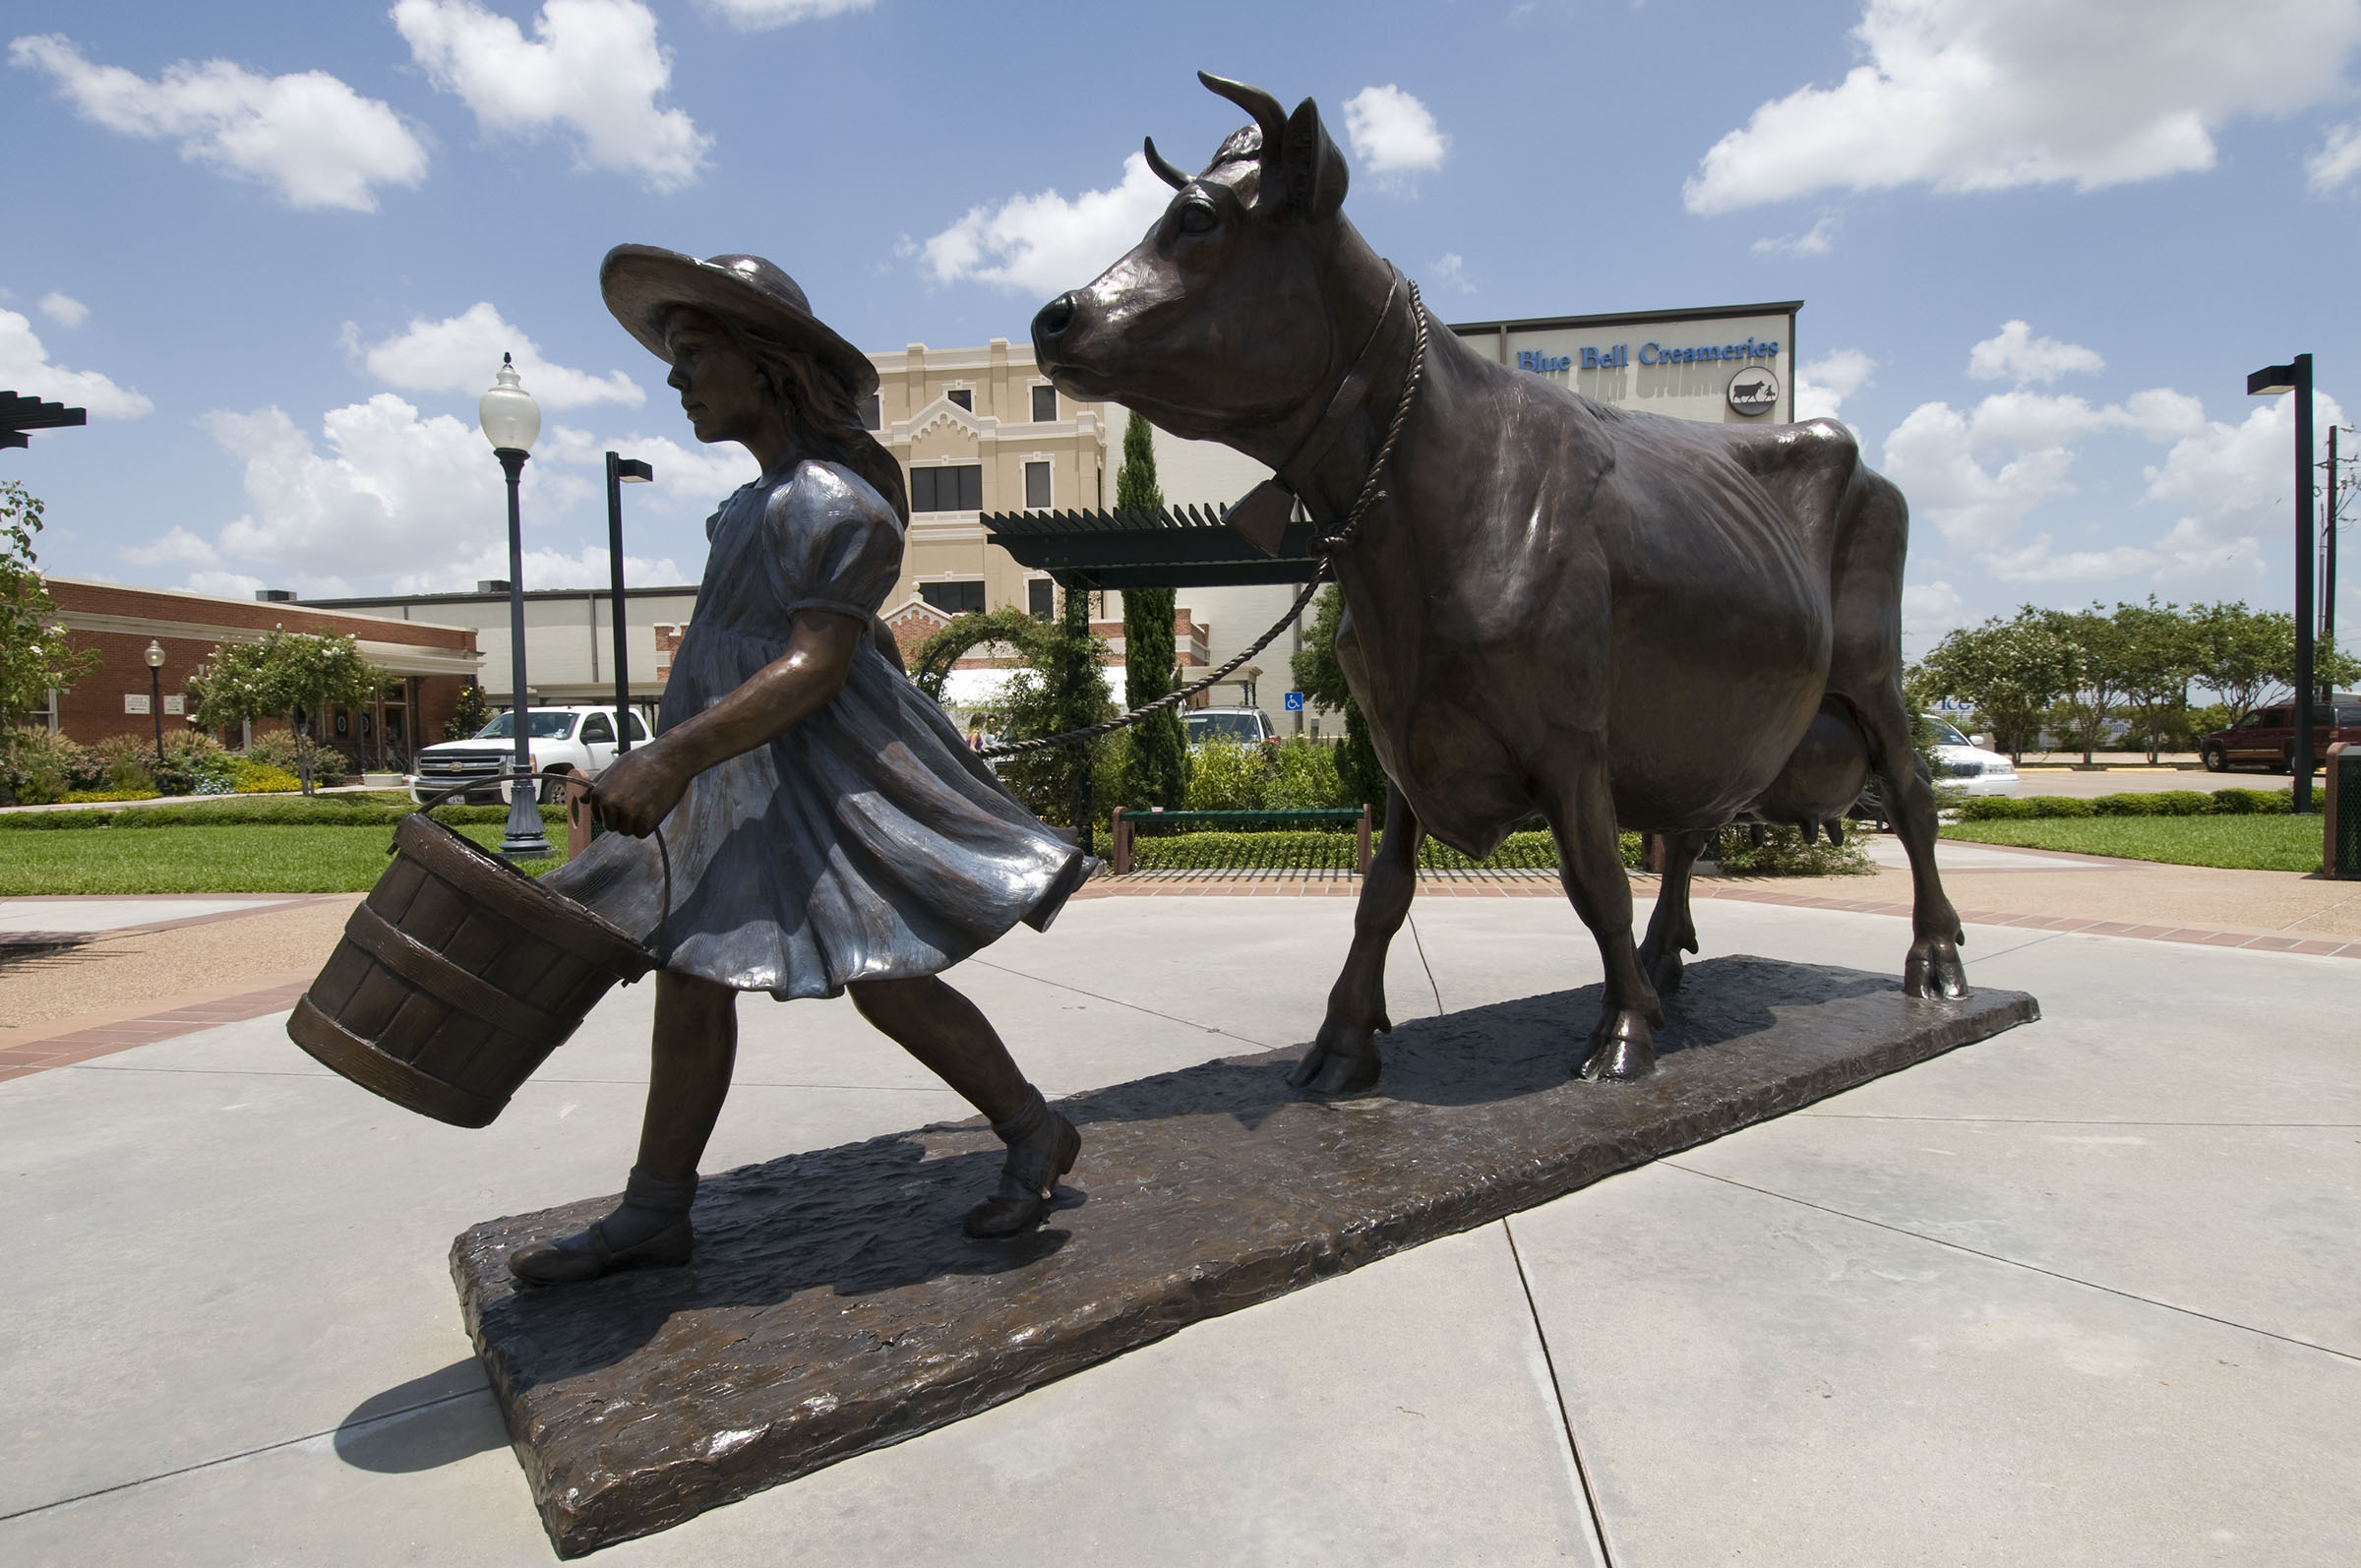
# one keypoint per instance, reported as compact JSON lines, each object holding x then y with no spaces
{"x":462,"y":354}
{"x":2040,"y":561}
{"x":1822,"y":386}
{"x":1041,"y":244}
{"x":1989,"y":94}
{"x":1814,"y":241}
{"x":2231,"y":486}
{"x":1451,"y":271}
{"x":386,"y":498}
{"x":2337,"y":161}
{"x":391,"y":487}
{"x":25,"y":367}
{"x":1931,"y":609}
{"x":65,"y":309}
{"x":1393,"y":134}
{"x":593,"y":67}
{"x":315,"y":140}
{"x":754,"y":15}
{"x":2016,"y":354}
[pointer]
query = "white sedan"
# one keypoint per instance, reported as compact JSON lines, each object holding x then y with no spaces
{"x":1962,"y":765}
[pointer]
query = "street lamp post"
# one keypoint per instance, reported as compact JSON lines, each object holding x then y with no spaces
{"x":511,"y":420}
{"x":2269,"y":381}
{"x":620,"y":471}
{"x":155,"y":694}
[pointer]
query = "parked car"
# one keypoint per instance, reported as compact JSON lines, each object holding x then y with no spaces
{"x":1245,"y":726}
{"x":1960,"y":765}
{"x":2266,"y":738}
{"x":556,"y":739}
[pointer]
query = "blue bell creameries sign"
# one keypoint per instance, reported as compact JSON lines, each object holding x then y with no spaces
{"x":1723,"y":363}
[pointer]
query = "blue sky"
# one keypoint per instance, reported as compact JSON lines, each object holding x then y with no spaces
{"x":276,"y":248}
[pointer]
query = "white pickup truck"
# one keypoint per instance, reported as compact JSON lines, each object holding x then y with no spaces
{"x":556,"y":738}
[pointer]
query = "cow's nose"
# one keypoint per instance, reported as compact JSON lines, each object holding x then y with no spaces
{"x":1055,"y":318}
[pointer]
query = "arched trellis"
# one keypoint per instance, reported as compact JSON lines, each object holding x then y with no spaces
{"x":944,"y":647}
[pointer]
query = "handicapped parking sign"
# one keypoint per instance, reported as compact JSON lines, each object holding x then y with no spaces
{"x":1294,"y":701}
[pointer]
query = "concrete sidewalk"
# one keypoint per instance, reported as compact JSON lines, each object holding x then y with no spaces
{"x":2086,"y":1293}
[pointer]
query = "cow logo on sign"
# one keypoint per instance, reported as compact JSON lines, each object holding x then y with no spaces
{"x":1754,"y":391}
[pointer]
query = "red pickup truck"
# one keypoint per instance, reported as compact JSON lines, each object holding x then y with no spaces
{"x":2266,"y":738}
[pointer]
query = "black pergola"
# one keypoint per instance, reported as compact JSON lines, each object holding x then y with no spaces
{"x":1185,"y":547}
{"x":19,"y":414}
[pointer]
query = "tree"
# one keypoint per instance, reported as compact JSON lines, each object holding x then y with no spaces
{"x":36,"y":656}
{"x":2158,"y":646}
{"x":2242,"y":654}
{"x":469,"y":715}
{"x":2097,"y":665}
{"x":1061,"y":690}
{"x":2007,"y":671}
{"x":290,"y":675}
{"x":1320,"y":676}
{"x":1156,"y":765}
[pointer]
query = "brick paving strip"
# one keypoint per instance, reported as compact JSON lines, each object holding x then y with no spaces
{"x":88,"y":1038}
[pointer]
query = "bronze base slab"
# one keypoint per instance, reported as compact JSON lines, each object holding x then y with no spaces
{"x":834,"y":1306}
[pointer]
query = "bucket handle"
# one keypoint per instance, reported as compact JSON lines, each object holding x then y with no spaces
{"x":663,"y":946}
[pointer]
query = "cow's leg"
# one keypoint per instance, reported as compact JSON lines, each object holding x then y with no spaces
{"x":1671,"y":930}
{"x":1580,"y":807}
{"x":1933,"y":967}
{"x":1344,"y":1057}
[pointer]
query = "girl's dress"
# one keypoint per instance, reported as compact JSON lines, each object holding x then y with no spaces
{"x":865,"y":843}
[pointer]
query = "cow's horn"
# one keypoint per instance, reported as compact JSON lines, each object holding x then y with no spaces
{"x":1165,"y":171}
{"x":1271,"y":118}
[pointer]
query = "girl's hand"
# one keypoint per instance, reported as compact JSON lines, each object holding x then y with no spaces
{"x":640,"y":789}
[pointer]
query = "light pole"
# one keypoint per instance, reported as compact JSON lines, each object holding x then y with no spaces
{"x":621,"y":470}
{"x":511,"y":420}
{"x":2270,"y":381}
{"x":155,"y":694}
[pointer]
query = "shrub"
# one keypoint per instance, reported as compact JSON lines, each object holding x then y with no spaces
{"x":249,"y":777}
{"x":2003,"y":808}
{"x":1783,"y":853}
{"x":2134,"y":805}
{"x":1224,"y":776}
{"x":1303,"y":777}
{"x":2250,"y":803}
{"x":128,"y":781}
{"x":85,"y":796}
{"x":54,"y":821}
{"x":2181,"y":802}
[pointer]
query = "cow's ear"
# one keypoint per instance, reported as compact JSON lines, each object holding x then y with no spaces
{"x":1314,"y":170}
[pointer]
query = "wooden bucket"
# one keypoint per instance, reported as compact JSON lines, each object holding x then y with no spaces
{"x":456,"y":978}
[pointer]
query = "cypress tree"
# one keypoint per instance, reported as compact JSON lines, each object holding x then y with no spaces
{"x":1156,"y":764}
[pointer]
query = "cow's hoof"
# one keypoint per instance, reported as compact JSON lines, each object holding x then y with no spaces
{"x":1339,"y":1062}
{"x":1933,"y":970}
{"x":1622,"y":1048}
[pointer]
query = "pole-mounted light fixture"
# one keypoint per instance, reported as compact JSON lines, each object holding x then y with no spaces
{"x":155,"y":694}
{"x":620,"y":471}
{"x":2270,"y":381}
{"x":511,"y":420}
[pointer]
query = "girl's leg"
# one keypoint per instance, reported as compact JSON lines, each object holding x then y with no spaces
{"x":945,"y":1031}
{"x":694,"y":1048}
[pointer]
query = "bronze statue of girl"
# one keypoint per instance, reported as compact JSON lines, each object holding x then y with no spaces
{"x":827,"y":826}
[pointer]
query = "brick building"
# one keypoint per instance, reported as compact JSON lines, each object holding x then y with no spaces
{"x":431,"y":664}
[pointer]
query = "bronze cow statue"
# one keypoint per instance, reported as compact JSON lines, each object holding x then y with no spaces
{"x":1615,"y":618}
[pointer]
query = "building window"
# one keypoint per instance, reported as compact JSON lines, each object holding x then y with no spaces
{"x":953,"y":598}
{"x":964,"y":396}
{"x":956,"y":488}
{"x":873,"y":413}
{"x":1044,"y":404}
{"x":1040,"y":599}
{"x":1037,"y":485}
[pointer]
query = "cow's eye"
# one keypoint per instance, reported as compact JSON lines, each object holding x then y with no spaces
{"x":1198,"y":218}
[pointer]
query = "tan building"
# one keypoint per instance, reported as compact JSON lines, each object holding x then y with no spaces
{"x":982,"y":429}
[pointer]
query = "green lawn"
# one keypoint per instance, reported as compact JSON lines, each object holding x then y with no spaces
{"x":2239,"y":843}
{"x":213,"y":860}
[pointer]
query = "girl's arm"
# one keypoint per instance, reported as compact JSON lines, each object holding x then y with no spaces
{"x":644,"y":784}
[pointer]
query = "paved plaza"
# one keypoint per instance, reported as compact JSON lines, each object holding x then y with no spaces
{"x":2086,"y":1293}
